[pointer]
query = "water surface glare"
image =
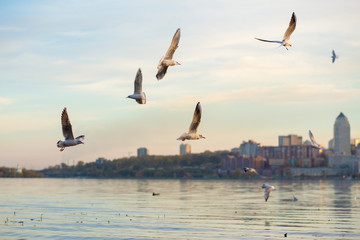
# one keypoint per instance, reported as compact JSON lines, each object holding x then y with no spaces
{"x":185,"y":209}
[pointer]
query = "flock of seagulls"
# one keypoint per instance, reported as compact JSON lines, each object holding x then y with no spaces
{"x":166,"y":61}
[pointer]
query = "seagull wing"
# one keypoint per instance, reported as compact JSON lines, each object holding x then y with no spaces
{"x":280,"y":42}
{"x":138,"y":82}
{"x":161,"y":72}
{"x":291,"y":27}
{"x":66,"y":125}
{"x":333,"y":56}
{"x":174,"y":45}
{"x":81,"y":137}
{"x":267,"y":193}
{"x":196,"y":119}
{"x":311,"y":136}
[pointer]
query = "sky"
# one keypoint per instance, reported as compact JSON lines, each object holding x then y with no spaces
{"x":84,"y":55}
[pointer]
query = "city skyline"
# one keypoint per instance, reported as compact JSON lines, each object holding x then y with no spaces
{"x":84,"y":56}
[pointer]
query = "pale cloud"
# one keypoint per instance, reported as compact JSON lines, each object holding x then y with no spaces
{"x":74,"y":33}
{"x":354,"y":43}
{"x":10,"y":28}
{"x":105,"y":87}
{"x":24,"y":122}
{"x":280,"y":95}
{"x":5,"y":101}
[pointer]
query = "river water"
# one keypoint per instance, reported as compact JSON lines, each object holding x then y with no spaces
{"x":184,"y":209}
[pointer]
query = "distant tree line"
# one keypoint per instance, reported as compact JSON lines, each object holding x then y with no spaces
{"x":11,"y":173}
{"x":187,"y":166}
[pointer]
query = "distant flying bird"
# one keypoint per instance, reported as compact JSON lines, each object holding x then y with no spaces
{"x":167,"y":60}
{"x":250,"y":170}
{"x":268,"y":189}
{"x":138,"y":95}
{"x":314,"y":144}
{"x":294,"y":198}
{"x":68,"y":133}
{"x":334,"y":56}
{"x":286,"y":39}
{"x":192,"y":135}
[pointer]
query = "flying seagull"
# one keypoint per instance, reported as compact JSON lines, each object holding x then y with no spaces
{"x":314,"y":144}
{"x":192,"y":135}
{"x":68,"y":133}
{"x":334,"y":56}
{"x":138,"y":95}
{"x":250,"y":170}
{"x":286,"y":39}
{"x":268,"y":189}
{"x":294,"y":198}
{"x":167,"y":60}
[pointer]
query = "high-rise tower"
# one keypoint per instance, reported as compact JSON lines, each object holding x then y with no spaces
{"x":342,"y":135}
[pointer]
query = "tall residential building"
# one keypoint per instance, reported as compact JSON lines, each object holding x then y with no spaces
{"x":142,"y":152}
{"x":290,"y":140}
{"x":249,"y":148}
{"x":331,"y":144}
{"x":342,"y":135}
{"x":185,"y":149}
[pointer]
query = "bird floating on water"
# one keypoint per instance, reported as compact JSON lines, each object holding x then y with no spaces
{"x":334,"y":56}
{"x":268,"y":189}
{"x":286,"y":39}
{"x":314,"y":144}
{"x":138,"y":95}
{"x":192,"y":134}
{"x":167,"y":60}
{"x":68,"y":133}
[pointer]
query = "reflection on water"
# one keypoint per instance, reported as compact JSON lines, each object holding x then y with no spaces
{"x":185,"y":209}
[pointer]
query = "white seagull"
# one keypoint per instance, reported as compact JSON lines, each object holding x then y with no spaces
{"x":250,"y":170}
{"x":192,"y":135}
{"x":167,"y":60}
{"x":138,"y":95}
{"x":268,"y":189}
{"x":68,"y":133}
{"x":314,"y":144}
{"x":334,"y":56}
{"x":286,"y":39}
